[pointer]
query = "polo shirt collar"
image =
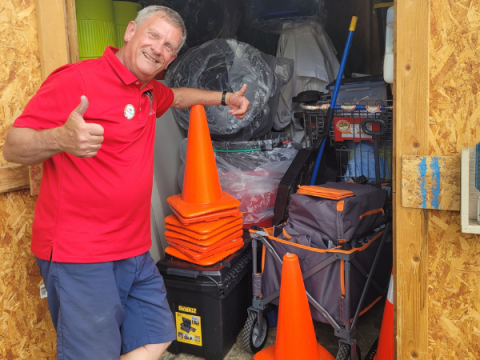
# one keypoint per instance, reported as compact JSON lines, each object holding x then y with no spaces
{"x":121,"y":70}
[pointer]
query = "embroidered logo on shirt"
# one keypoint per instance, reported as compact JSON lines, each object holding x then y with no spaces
{"x":149,"y":93}
{"x":129,"y":111}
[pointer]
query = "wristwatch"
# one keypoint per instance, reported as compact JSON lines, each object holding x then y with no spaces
{"x":224,"y":94}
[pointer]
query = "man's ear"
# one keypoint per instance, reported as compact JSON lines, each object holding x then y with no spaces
{"x":131,"y":27}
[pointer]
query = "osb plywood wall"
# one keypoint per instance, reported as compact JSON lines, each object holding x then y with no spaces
{"x":454,"y":257}
{"x":26,"y":330}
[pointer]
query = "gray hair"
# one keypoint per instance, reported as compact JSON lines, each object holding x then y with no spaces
{"x":170,"y":15}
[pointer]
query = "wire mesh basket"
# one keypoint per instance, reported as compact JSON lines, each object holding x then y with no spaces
{"x":356,"y":145}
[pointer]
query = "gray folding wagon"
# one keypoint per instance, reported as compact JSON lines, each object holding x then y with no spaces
{"x":342,"y":279}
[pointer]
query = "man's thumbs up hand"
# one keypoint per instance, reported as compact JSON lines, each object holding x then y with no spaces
{"x":238,"y":103}
{"x":78,"y":137}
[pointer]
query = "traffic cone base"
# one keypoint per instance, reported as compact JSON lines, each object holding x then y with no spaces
{"x":188,"y":210}
{"x":204,"y":262}
{"x":269,"y":354}
{"x":194,"y":235}
{"x":201,"y":246}
{"x":206,"y":242}
{"x":199,"y":256}
{"x":206,"y":218}
{"x":202,"y":227}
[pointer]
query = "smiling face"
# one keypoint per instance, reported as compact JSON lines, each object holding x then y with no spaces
{"x":150,"y":47}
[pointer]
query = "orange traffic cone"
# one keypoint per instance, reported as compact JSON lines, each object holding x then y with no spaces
{"x":200,"y":248}
{"x":295,"y":332}
{"x":204,"y":218}
{"x":208,"y":260}
{"x":385,"y":349}
{"x":193,"y":235}
{"x":202,"y":193}
{"x":202,"y":227}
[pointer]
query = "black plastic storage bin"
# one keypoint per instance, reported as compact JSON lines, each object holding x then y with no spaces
{"x":209,"y":303}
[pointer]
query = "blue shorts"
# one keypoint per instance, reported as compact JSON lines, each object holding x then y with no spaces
{"x":103,"y":310}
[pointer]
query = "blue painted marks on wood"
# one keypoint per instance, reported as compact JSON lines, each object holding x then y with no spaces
{"x":422,"y":169}
{"x":429,"y":170}
{"x":435,"y":167}
{"x":431,"y":182}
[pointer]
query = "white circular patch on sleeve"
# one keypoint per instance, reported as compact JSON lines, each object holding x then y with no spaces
{"x":129,"y":111}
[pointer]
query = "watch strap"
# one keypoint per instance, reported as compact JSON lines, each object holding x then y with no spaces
{"x":224,"y":94}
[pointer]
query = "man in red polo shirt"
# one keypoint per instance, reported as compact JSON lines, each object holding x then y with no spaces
{"x":92,"y":124}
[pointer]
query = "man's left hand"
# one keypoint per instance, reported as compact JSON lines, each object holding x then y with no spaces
{"x":238,"y":103}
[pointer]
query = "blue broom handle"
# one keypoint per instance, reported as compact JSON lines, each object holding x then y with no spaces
{"x":353,"y":24}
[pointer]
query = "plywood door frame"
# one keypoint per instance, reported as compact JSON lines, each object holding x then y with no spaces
{"x":411,"y":95}
{"x":410,"y":137}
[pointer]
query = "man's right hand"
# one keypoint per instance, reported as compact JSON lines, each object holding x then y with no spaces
{"x":78,"y":137}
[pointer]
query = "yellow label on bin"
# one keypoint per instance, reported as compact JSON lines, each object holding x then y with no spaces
{"x":189,"y":328}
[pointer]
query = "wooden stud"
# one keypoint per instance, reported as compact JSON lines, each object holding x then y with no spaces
{"x":431,"y":182}
{"x":72,"y":30}
{"x":52,"y":35}
{"x":410,"y":137}
{"x":57,"y":41}
{"x":13,"y":177}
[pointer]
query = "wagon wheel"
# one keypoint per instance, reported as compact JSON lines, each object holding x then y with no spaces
{"x":254,"y":338}
{"x":344,"y":352}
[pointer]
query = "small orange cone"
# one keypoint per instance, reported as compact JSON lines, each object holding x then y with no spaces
{"x":202,"y":193}
{"x":385,"y":349}
{"x":295,"y":332}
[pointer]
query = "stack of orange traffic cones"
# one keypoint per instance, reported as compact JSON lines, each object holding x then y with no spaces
{"x":206,"y":225}
{"x":385,"y":349}
{"x":295,"y":332}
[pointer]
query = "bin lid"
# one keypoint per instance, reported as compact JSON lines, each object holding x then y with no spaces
{"x":354,"y":82}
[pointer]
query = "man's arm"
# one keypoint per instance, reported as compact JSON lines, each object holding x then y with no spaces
{"x":186,"y":97}
{"x":29,"y":147}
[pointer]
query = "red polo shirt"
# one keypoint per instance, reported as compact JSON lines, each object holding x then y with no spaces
{"x":97,"y":209}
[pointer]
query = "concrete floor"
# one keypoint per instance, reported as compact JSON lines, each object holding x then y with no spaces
{"x":368,"y":329}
